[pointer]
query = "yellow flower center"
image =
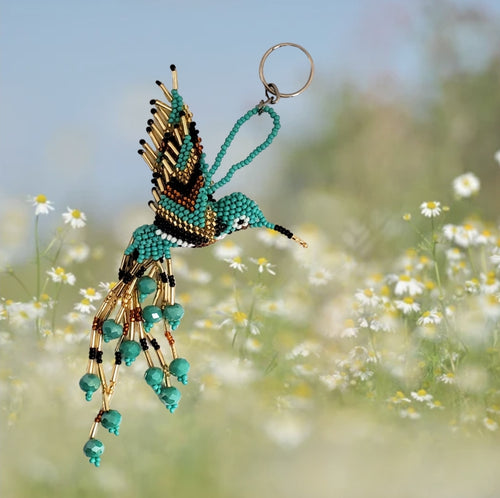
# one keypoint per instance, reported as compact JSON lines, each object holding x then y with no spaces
{"x":239,"y":317}
{"x":408,"y":300}
{"x":404,"y":278}
{"x":76,"y":214}
{"x":40,"y":199}
{"x":45,"y":297}
{"x":237,"y":259}
{"x":85,"y":301}
{"x":90,"y":291}
{"x":59,"y":271}
{"x":422,"y":392}
{"x":261,"y":261}
{"x":349,"y":323}
{"x":368,"y":293}
{"x":431,"y":205}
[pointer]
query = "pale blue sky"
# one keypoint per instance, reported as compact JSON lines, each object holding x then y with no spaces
{"x":77,"y":76}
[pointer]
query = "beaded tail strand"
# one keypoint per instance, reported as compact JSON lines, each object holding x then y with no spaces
{"x":123,"y":318}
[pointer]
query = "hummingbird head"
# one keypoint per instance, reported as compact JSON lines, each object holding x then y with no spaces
{"x":237,"y":212}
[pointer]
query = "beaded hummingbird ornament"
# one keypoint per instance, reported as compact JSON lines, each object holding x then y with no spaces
{"x":187,"y":214}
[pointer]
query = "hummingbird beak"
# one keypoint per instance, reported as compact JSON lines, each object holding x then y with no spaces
{"x":290,"y":235}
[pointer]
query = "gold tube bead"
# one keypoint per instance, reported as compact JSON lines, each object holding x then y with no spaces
{"x":162,"y":116}
{"x":177,"y":136}
{"x":153,"y":138}
{"x":156,"y":194}
{"x":165,"y":91}
{"x":160,"y":120}
{"x":161,"y":105}
{"x":150,"y":164}
{"x":174,"y":79}
{"x":184,"y":124}
{"x":93,"y":430}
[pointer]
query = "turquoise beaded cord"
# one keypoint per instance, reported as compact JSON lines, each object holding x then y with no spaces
{"x":186,"y":215}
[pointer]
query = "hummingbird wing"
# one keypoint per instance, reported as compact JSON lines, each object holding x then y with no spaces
{"x":182,"y":202}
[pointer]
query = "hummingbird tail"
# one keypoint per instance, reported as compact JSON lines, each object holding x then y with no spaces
{"x":124,"y":317}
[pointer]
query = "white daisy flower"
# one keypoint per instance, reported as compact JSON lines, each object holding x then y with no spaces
{"x":74,"y":217}
{"x":320,"y":276}
{"x":42,"y":204}
{"x":236,"y":263}
{"x":490,"y":424}
{"x":350,"y":329}
{"x":408,"y":285}
{"x":106,"y":286}
{"x":334,"y":381}
{"x":466,"y":185}
{"x":253,"y":345}
{"x":410,"y":413}
{"x":74,"y":317}
{"x":78,"y":253}
{"x":430,"y":317}
{"x":366,"y":297}
{"x":465,"y":235}
{"x":421,"y":395}
{"x":60,"y":275}
{"x":447,"y":378}
{"x":449,"y":231}
{"x":435,"y":405}
{"x":264,"y":264}
{"x":407,"y":305}
{"x":226,"y":249}
{"x":91,"y":294}
{"x":497,"y":156}
{"x":84,"y":306}
{"x":399,"y":398}
{"x":430,"y":209}
{"x":454,"y":254}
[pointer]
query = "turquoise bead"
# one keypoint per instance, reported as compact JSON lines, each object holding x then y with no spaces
{"x":89,"y":383}
{"x":179,"y":368}
{"x":130,"y":351}
{"x":111,"y":330}
{"x":152,"y":314}
{"x":146,"y":285}
{"x":170,"y":396}
{"x":173,"y":314}
{"x":93,"y":450}
{"x":154,"y":378}
{"x":111,"y":420}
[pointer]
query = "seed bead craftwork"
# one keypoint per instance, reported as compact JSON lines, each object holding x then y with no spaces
{"x":186,"y":215}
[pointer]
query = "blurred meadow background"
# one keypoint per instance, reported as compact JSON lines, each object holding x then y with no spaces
{"x":366,"y":365}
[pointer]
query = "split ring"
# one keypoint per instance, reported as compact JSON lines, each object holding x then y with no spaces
{"x":271,"y":87}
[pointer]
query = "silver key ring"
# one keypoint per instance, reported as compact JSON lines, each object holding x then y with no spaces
{"x":272,"y":92}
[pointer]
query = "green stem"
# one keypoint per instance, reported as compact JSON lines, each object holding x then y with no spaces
{"x":11,"y":272}
{"x":37,"y":258}
{"x":54,"y":309}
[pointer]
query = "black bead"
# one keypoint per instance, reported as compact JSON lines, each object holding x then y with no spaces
{"x":99,"y":357}
{"x":144,"y":344}
{"x":155,"y":344}
{"x":163,"y":277}
{"x":118,"y":357}
{"x":92,"y":353}
{"x":171,"y":281}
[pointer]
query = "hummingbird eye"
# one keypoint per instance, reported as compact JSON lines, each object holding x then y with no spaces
{"x":241,"y":222}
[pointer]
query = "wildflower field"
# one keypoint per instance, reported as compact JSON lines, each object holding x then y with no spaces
{"x":367,"y":364}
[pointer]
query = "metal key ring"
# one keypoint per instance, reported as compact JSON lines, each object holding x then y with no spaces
{"x":271,"y":87}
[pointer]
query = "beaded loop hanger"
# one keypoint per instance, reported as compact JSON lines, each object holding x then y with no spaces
{"x":186,"y":215}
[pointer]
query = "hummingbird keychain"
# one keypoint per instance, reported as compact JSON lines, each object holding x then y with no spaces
{"x":187,"y":214}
